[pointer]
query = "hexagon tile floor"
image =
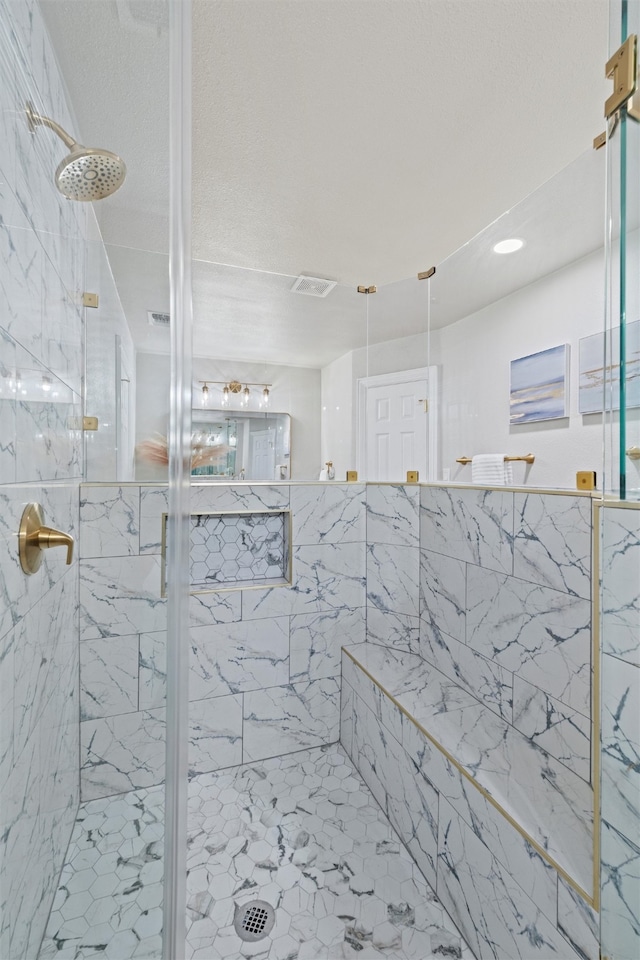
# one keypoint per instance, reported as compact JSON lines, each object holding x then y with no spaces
{"x":302,"y":832}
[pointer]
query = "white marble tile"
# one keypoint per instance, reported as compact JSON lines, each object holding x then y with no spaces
{"x":374,"y":698}
{"x":211,"y":608}
{"x":393,"y":574}
{"x":562,"y":732}
{"x":471,"y":525}
{"x":7,"y":402}
{"x":109,"y":521}
{"x":620,"y":894}
{"x":42,"y":639}
{"x":215,"y":734}
{"x":346,"y":717}
{"x":484,"y":679}
{"x":443,"y":587}
{"x":237,"y":657}
{"x":7,"y":685}
{"x":327,"y":513}
{"x":493,"y":913}
{"x":154,"y":501}
{"x":397,"y":630}
{"x":393,"y":514}
{"x":541,"y":634}
{"x":549,"y":802}
{"x":410,"y":801}
{"x":325,"y":577}
{"x":552,"y":542}
{"x":620,"y":757}
{"x":108,"y":676}
{"x":317,"y":640}
{"x":532,"y":872}
{"x":122,"y":753}
{"x":295,"y":717}
{"x":152,"y":670}
{"x":620,"y":578}
{"x":578,"y":922}
{"x":120,"y":596}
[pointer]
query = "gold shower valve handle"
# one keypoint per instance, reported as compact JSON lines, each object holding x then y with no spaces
{"x":34,"y":537}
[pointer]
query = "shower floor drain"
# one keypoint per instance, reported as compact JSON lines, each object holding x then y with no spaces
{"x":254,"y":920}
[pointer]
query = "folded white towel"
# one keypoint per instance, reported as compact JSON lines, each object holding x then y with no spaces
{"x":491,"y":469}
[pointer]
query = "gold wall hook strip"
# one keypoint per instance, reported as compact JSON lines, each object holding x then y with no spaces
{"x":34,"y":537}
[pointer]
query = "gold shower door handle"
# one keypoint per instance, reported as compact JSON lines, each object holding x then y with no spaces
{"x":34,"y":537}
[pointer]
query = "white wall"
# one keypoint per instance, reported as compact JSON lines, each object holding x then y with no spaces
{"x":295,"y":390}
{"x":474,"y":355}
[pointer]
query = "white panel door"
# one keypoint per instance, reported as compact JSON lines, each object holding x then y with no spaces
{"x":263,"y":455}
{"x":396,"y":430}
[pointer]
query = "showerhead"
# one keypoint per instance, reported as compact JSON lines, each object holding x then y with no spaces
{"x":86,"y":173}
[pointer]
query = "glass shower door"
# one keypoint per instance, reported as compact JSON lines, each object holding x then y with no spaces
{"x":620,"y":534}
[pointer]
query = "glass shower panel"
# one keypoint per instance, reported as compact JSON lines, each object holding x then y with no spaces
{"x":516,"y":333}
{"x":82,"y":796}
{"x":620,"y":536}
{"x":623,"y":154}
{"x":397,"y":398}
{"x":274,"y":373}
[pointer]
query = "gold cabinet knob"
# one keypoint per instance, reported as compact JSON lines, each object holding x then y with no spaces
{"x":34,"y":537}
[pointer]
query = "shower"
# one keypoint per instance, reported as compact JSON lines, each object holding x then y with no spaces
{"x":86,"y":173}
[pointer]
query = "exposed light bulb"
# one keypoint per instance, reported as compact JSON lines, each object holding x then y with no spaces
{"x":247,"y":394}
{"x":225,"y":395}
{"x":265,"y":394}
{"x":205,"y":395}
{"x":46,"y":384}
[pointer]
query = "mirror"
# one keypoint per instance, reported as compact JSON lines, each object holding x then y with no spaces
{"x":241,"y":445}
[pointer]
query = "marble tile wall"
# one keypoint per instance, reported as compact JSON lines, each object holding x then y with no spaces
{"x":620,"y":760}
{"x":42,"y":263}
{"x":505,"y":609}
{"x":492,"y":590}
{"x":506,"y":899}
{"x":264,"y":662}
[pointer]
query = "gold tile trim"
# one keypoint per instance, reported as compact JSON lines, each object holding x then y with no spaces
{"x":436,"y":743}
{"x":596,"y":529}
{"x":247,"y":585}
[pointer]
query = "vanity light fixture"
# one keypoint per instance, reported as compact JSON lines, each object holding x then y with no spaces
{"x":234,"y":387}
{"x":508,"y":246}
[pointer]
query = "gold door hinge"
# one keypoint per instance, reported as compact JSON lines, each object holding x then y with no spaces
{"x":412,"y":476}
{"x":352,"y":476}
{"x":89,"y":423}
{"x":622,"y":68}
{"x":89,"y":299}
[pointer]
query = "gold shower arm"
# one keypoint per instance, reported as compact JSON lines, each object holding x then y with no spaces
{"x":34,"y":537}
{"x":529,"y":458}
{"x":37,"y":120}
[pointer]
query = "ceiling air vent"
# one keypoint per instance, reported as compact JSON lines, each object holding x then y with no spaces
{"x":313,"y":286}
{"x":158,"y":319}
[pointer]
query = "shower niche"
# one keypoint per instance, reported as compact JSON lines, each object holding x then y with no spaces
{"x":236,"y":550}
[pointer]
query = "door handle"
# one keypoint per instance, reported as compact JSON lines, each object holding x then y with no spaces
{"x":34,"y":537}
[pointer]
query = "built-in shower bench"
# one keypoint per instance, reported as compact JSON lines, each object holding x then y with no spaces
{"x":422,"y":709}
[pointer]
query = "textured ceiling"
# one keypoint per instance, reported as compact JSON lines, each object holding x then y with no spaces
{"x":361,"y":140}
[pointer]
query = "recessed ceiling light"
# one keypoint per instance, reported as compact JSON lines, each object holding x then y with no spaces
{"x":508,"y":246}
